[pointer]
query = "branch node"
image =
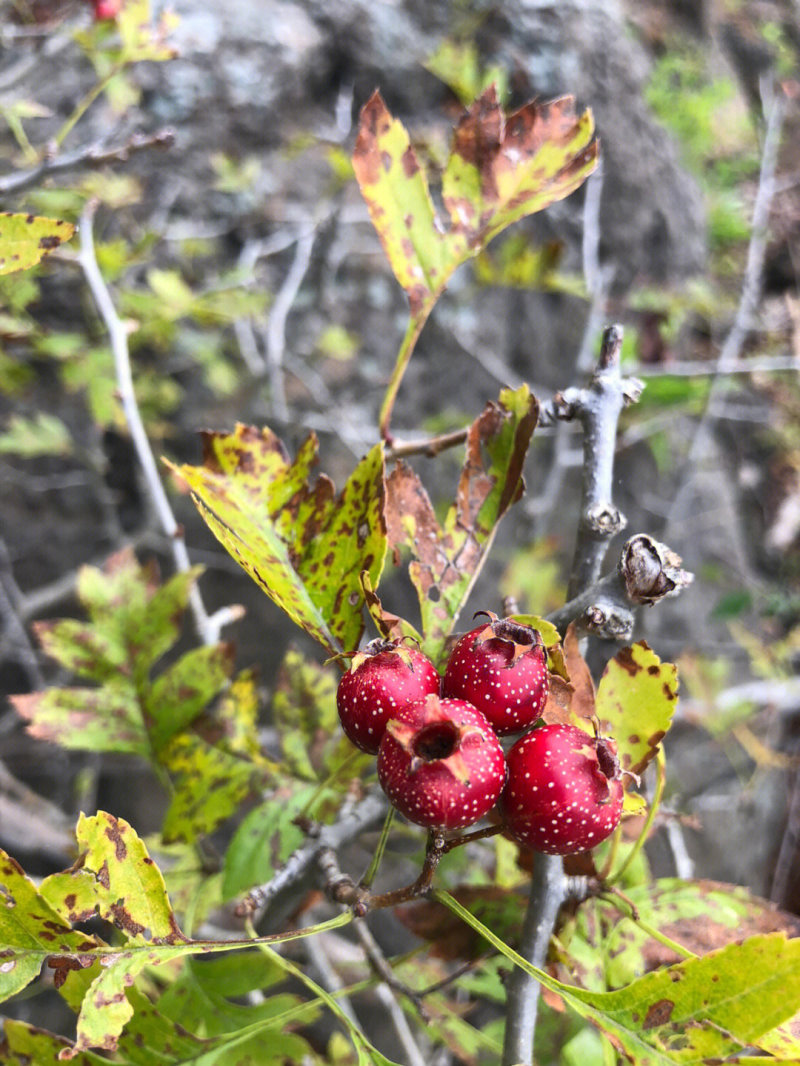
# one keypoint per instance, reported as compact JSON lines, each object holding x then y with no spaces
{"x":608,"y":621}
{"x":604,"y":520}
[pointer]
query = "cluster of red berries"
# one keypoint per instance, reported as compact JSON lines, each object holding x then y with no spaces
{"x":440,"y":761}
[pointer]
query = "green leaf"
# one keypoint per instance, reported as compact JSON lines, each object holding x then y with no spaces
{"x":30,"y":930}
{"x":26,"y":239}
{"x":713,"y":1007}
{"x":304,"y":709}
{"x":32,"y":437}
{"x":265,"y":839}
{"x":179,"y":694}
{"x":99,"y":719}
{"x":447,"y":559}
{"x":25,"y":1045}
{"x":236,"y":719}
{"x":636,"y":699}
{"x":210,"y":785}
{"x":302,"y":545}
{"x":607,"y":950}
{"x":82,"y":648}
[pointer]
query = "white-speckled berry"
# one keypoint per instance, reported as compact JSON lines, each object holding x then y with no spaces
{"x":501,"y":668}
{"x":382,"y":679}
{"x":558,"y":798}
{"x":441,"y":764}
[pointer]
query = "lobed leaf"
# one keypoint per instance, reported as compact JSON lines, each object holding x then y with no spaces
{"x":99,"y":719}
{"x":715,"y":1007}
{"x":500,"y":169}
{"x":636,"y":699}
{"x":26,"y":239}
{"x":304,"y":710}
{"x":302,"y":545}
{"x":504,"y":168}
{"x":400,"y":206}
{"x":447,"y":559}
{"x":210,"y":785}
{"x":182,"y":692}
{"x":85,"y":649}
{"x":607,"y":950}
{"x":30,"y":930}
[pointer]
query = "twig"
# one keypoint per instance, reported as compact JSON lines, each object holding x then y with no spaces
{"x":368,"y":813}
{"x":730,"y":352}
{"x":92,"y":155}
{"x":430,"y":447}
{"x":699,"y":369}
{"x":276,"y":324}
{"x":208,"y":626}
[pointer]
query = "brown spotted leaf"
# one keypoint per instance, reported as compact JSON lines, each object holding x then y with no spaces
{"x":30,"y":930}
{"x":714,"y":1008}
{"x":503,"y":168}
{"x":399,"y":201}
{"x":26,"y":239}
{"x":127,"y":887}
{"x":302,"y":544}
{"x":500,"y":169}
{"x":571,"y":702}
{"x":446,"y":560}
{"x":636,"y":699}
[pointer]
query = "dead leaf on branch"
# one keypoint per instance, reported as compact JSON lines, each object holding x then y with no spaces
{"x":447,"y":558}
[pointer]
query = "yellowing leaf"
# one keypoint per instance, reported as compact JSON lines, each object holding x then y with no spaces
{"x":303,"y":545}
{"x":26,"y":239}
{"x":636,"y":699}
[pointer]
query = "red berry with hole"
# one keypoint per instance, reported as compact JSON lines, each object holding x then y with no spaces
{"x":501,"y":668}
{"x":441,"y":764}
{"x":382,"y":679}
{"x":564,"y":790}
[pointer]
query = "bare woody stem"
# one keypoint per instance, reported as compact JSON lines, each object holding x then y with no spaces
{"x":598,"y":407}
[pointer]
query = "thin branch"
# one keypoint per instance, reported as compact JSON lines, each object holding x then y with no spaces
{"x":367,"y":814}
{"x":208,"y":627}
{"x":386,"y":991}
{"x":92,"y":155}
{"x":430,"y":447}
{"x":731,"y":350}
{"x":276,"y":324}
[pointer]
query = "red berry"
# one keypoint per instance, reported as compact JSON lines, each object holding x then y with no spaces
{"x":440,"y":764}
{"x":564,"y":790}
{"x":381,"y":680}
{"x":106,"y":9}
{"x":501,"y":668}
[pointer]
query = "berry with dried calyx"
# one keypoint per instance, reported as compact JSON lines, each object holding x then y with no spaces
{"x":441,"y":764}
{"x":564,"y":790}
{"x":501,"y":668}
{"x":381,"y":680}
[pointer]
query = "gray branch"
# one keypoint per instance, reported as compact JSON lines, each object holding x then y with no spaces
{"x":647,"y":571}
